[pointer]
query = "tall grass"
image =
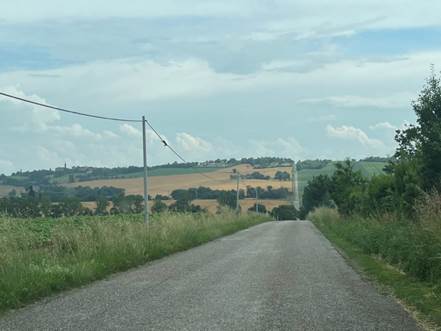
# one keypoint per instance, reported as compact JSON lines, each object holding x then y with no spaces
{"x":42,"y":256}
{"x":413,"y":246}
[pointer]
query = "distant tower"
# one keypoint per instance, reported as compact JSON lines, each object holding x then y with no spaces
{"x":295,"y":187}
{"x":65,"y":166}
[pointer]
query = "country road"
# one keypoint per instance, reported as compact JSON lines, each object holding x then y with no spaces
{"x":274,"y":276}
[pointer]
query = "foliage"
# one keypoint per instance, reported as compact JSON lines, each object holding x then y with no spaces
{"x":411,"y":247}
{"x":282,"y":175}
{"x":228,"y":199}
{"x":130,"y":204}
{"x":158,"y":206}
{"x":317,"y":194}
{"x":261,"y":208}
{"x":422,"y":142}
{"x":255,"y":175}
{"x":285,"y":212}
{"x":413,"y":292}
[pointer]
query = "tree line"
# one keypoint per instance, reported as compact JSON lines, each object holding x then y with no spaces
{"x":412,"y":173}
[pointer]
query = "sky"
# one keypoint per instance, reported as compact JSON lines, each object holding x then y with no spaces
{"x":219,"y":79}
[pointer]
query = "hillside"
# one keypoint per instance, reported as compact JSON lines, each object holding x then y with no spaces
{"x":220,"y":179}
{"x":164,"y":179}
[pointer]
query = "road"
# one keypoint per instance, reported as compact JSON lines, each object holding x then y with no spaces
{"x":274,"y":276}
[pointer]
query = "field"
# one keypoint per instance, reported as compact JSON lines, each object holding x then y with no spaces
{"x":220,"y":179}
{"x":5,"y":189}
{"x":212,"y":205}
{"x":42,"y":256}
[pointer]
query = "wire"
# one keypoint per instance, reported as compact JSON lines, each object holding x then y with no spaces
{"x":110,"y":119}
{"x":179,"y":156}
{"x":68,"y":111}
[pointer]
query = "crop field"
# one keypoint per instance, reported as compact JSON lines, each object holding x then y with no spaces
{"x":212,"y":205}
{"x":220,"y":179}
{"x":5,"y":189}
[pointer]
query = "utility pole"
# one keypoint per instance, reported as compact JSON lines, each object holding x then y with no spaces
{"x":237,"y":192}
{"x":257,"y":200}
{"x":295,"y":187}
{"x":146,"y":196}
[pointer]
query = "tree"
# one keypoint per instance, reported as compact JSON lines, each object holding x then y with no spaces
{"x":101,"y":206}
{"x":227,"y":198}
{"x":347,"y":187}
{"x":159,"y":206}
{"x":317,"y":194}
{"x":262,"y":208}
{"x":282,"y":175}
{"x":422,"y":142}
{"x":380,"y":195}
{"x":285,"y":212}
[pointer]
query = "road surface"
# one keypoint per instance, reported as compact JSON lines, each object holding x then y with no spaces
{"x":274,"y":276}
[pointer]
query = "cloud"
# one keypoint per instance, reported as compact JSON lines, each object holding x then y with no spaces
{"x":76,"y":131}
{"x":6,"y":166}
{"x":398,"y":100}
{"x":283,"y":147}
{"x":130,"y":130}
{"x":353,"y":134}
{"x":191,"y":143}
{"x":34,"y":116}
{"x":383,"y":126}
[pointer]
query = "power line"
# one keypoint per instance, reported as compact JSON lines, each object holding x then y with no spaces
{"x":68,"y":111}
{"x":179,"y":156}
{"x":164,"y":142}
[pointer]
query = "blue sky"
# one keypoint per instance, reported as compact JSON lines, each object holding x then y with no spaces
{"x":219,"y":79}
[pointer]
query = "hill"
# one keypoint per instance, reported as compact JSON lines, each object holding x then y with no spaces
{"x":167,"y":178}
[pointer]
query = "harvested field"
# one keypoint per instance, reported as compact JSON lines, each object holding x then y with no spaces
{"x":219,"y":179}
{"x":210,"y":205}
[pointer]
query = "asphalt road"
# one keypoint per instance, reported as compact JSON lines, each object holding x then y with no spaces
{"x":275,"y":276}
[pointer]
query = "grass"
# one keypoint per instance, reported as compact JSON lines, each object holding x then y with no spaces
{"x":39,"y":257}
{"x":401,"y":257}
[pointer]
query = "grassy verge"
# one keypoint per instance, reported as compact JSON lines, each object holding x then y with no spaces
{"x":42,"y":256}
{"x":422,"y":297}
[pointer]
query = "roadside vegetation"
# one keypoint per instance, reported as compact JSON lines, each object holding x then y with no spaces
{"x":391,"y":223}
{"x":41,"y":256}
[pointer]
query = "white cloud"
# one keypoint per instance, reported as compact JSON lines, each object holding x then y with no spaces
{"x":76,"y":131}
{"x":383,"y":126}
{"x":33,"y":116}
{"x":283,"y":147}
{"x":277,"y":17}
{"x":191,"y":143}
{"x":354,"y":101}
{"x":130,"y":130}
{"x":354,"y":134}
{"x":6,"y":166}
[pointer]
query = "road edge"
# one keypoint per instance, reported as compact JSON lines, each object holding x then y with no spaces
{"x":367,"y":267}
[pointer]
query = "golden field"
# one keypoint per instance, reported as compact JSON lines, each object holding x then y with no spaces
{"x":211,"y":205}
{"x":219,"y":179}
